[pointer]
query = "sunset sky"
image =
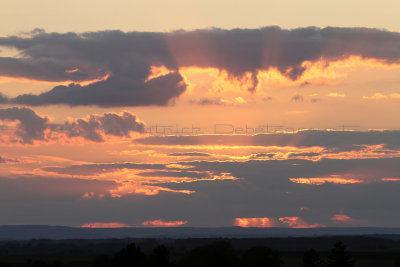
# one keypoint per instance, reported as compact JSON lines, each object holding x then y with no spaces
{"x":200,"y":113}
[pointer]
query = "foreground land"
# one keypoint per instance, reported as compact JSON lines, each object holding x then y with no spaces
{"x":364,"y":250}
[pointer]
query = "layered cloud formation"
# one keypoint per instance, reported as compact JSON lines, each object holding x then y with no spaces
{"x":113,"y":68}
{"x":35,"y":127}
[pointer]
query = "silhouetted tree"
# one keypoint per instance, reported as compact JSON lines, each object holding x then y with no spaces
{"x":261,"y":257}
{"x":218,"y":254}
{"x":339,"y":256}
{"x":311,"y":259}
{"x":160,"y":257}
{"x":396,"y":262}
{"x":131,"y":256}
{"x":101,"y":260}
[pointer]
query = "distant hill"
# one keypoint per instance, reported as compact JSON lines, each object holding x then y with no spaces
{"x":28,"y":232}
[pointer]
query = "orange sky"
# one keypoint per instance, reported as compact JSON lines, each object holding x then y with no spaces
{"x":317,"y":145}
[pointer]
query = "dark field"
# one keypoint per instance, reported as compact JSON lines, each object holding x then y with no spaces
{"x":366,"y":251}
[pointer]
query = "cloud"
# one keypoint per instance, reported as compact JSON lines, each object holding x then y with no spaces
{"x":115,"y":91}
{"x":332,"y":140}
{"x":119,"y":64}
{"x":38,"y":188}
{"x":336,"y":95}
{"x":104,"y":225}
{"x":255,"y":222}
{"x":296,"y":222}
{"x":379,"y":96}
{"x":189,"y":154}
{"x":3,"y":99}
{"x":263,"y":190}
{"x":31,"y":126}
{"x":93,"y":169}
{"x":171,"y":173}
{"x":292,"y":222}
{"x":34,"y":127}
{"x":95,"y":126}
{"x":161,"y":223}
{"x":297,"y":97}
{"x":212,"y":101}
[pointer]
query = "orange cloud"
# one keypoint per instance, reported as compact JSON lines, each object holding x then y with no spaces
{"x":335,"y":179}
{"x":380,"y":96}
{"x":390,"y":179}
{"x":6,"y":79}
{"x":296,"y":222}
{"x":340,"y":218}
{"x":336,"y":95}
{"x":255,"y":222}
{"x":161,"y":223}
{"x":344,"y":219}
{"x":293,"y":222}
{"x":157,"y":71}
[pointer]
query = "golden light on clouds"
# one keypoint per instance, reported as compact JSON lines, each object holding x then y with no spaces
{"x":335,"y":179}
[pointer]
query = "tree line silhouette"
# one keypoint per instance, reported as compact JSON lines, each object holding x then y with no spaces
{"x":217,"y":253}
{"x":220,"y":254}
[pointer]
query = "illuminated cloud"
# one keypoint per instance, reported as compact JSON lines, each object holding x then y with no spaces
{"x":161,"y":223}
{"x":336,"y":95}
{"x":380,"y":96}
{"x":335,"y":179}
{"x":345,"y":220}
{"x":94,"y":169}
{"x":255,"y":222}
{"x":220,"y":101}
{"x":189,"y":154}
{"x":292,"y":222}
{"x":334,"y":140}
{"x":296,"y":222}
{"x":121,"y":65}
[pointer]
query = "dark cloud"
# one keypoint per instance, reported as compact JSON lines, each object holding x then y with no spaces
{"x":262,"y":190}
{"x":2,"y":160}
{"x":315,"y":100}
{"x":297,"y":97}
{"x":262,"y":155}
{"x":115,"y":91}
{"x":211,"y":101}
{"x":93,"y":169}
{"x":31,"y":126}
{"x":93,"y":127}
{"x":52,"y":188}
{"x":3,"y":99}
{"x":334,"y":140}
{"x":307,"y":154}
{"x":126,"y":59}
